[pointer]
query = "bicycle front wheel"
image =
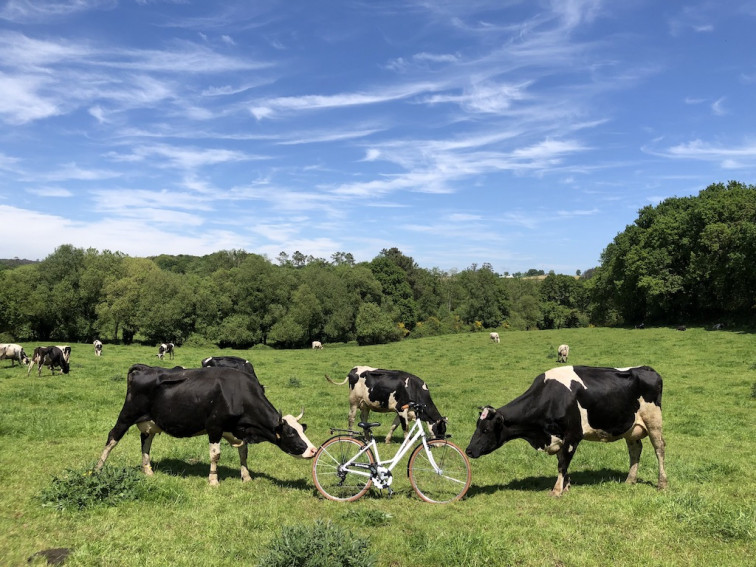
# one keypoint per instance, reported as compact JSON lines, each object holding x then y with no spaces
{"x":333,"y":480}
{"x":447,"y":484}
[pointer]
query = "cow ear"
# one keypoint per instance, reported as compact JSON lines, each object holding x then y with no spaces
{"x":487,"y":412}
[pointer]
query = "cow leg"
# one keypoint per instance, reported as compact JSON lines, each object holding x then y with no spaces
{"x":564,"y":457}
{"x":397,"y":421}
{"x":634,"y":448}
{"x":243,"y":452}
{"x":115,"y":435}
{"x":215,"y":453}
{"x":352,"y":415}
{"x":657,"y":440}
{"x":146,"y":446}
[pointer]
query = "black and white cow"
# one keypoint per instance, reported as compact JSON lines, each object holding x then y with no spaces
{"x":223,"y":403}
{"x":390,"y":391}
{"x":565,"y":405}
{"x":98,"y":347}
{"x":165,"y":348}
{"x":14,"y":353}
{"x":230,"y":362}
{"x":50,"y":356}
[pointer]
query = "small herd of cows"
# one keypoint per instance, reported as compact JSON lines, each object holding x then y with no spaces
{"x":225,"y":400}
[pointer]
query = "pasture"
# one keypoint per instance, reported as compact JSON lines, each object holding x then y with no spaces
{"x":707,"y":516}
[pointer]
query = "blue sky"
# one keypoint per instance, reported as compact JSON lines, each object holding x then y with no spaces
{"x":525,"y":134}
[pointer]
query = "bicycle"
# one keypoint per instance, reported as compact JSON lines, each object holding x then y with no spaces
{"x":348,"y":464}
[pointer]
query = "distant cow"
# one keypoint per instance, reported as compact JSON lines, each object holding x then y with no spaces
{"x":567,"y":404}
{"x":494,"y":337}
{"x":230,"y":362}
{"x":317,"y":345}
{"x":165,"y":348}
{"x":223,"y":403}
{"x":98,"y":347}
{"x":562,"y":353}
{"x":14,"y":353}
{"x":50,"y":356}
{"x":682,"y":328}
{"x":390,"y":391}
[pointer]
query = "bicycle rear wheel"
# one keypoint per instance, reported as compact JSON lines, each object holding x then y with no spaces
{"x":334,"y":482}
{"x":452,"y":480}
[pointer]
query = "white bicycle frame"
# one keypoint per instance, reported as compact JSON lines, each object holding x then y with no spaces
{"x":416,"y":432}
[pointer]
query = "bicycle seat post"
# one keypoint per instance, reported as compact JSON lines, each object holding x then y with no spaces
{"x":367,"y":428}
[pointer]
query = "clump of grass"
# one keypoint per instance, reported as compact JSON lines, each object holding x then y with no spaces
{"x":84,"y":488}
{"x":294,"y":382}
{"x":364,"y":517}
{"x":320,"y":544}
{"x":720,"y":520}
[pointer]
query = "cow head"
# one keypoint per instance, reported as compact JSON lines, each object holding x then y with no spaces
{"x":488,"y":435}
{"x":438,"y":428}
{"x":291,"y":439}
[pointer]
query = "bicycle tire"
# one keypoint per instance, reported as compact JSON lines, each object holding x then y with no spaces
{"x":325,"y":469}
{"x":440,"y":488}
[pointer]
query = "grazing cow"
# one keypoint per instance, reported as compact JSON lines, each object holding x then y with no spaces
{"x":562,"y":353}
{"x":317,"y":345}
{"x":230,"y":362}
{"x":682,"y":328}
{"x":640,"y":326}
{"x":165,"y":348}
{"x":223,"y":403}
{"x":495,"y":337}
{"x":388,"y":391}
{"x":718,"y":326}
{"x":567,"y":404}
{"x":98,"y":347}
{"x":14,"y":353}
{"x":50,"y":356}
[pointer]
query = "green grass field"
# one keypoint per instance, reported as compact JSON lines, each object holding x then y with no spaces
{"x":707,"y":516}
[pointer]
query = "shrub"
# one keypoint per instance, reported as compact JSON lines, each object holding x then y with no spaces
{"x":84,"y":488}
{"x":319,"y":545}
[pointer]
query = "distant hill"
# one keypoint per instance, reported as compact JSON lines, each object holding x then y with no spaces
{"x":15,"y":262}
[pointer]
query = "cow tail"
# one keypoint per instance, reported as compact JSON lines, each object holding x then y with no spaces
{"x":337,"y":383}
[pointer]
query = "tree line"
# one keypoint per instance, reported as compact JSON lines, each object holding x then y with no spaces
{"x":685,"y":259}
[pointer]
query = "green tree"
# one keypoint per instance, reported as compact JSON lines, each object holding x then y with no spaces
{"x":485,"y":297}
{"x":374,"y":326}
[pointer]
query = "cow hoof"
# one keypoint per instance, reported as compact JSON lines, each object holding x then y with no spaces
{"x":148,"y":471}
{"x":556,"y":494}
{"x":663,"y":485}
{"x":246,"y":478}
{"x":213,"y":481}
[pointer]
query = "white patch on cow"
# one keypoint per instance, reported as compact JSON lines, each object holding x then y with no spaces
{"x":148,"y":427}
{"x":638,"y":430}
{"x":565,"y":375}
{"x":233,"y":441}
{"x":555,"y":444}
{"x":425,"y":386}
{"x":360,"y":370}
{"x":311,"y":449}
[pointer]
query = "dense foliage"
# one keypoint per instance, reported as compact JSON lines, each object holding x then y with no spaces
{"x":686,"y":259}
{"x":689,"y":258}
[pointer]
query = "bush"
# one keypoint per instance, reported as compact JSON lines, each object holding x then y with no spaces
{"x":319,"y":545}
{"x":84,"y":488}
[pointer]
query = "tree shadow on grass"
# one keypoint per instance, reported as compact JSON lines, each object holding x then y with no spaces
{"x":546,"y":483}
{"x":185,"y":469}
